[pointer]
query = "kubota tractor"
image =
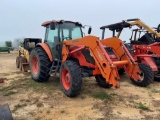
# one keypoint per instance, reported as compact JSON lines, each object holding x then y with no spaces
{"x":143,"y":47}
{"x":22,"y":61}
{"x":66,"y":51}
{"x":146,"y":47}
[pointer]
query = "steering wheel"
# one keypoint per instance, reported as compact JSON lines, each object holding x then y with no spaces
{"x":67,"y":38}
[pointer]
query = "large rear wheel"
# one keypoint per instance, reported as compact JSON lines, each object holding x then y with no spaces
{"x":102,"y":81}
{"x":147,"y":76}
{"x":70,"y":78}
{"x":39,"y":65}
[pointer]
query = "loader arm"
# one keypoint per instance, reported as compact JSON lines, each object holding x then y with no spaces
{"x":131,"y":68}
{"x":107,"y":68}
{"x":140,"y":24}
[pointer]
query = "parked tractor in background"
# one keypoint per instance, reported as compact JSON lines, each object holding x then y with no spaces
{"x":9,"y":44}
{"x":7,"y":47}
{"x":67,"y":52}
{"x":22,"y":61}
{"x":145,"y":47}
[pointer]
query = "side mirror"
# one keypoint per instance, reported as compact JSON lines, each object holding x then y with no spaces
{"x":89,"y":30}
{"x":52,"y":25}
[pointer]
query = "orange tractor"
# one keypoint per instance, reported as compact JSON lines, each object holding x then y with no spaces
{"x":143,"y":47}
{"x":67,"y":52}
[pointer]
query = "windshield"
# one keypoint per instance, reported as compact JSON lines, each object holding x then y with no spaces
{"x":69,"y":31}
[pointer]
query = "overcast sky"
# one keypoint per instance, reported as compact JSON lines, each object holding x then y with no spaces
{"x":23,"y":18}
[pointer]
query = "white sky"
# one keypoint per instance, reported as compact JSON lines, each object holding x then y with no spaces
{"x":23,"y":18}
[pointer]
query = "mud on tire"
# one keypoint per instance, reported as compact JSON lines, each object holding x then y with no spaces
{"x":148,"y":76}
{"x":102,"y":82}
{"x":70,"y":78}
{"x":39,"y":65}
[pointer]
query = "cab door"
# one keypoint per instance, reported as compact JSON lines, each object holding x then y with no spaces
{"x":51,"y":39}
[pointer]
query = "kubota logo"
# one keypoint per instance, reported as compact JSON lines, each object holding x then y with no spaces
{"x":99,"y":55}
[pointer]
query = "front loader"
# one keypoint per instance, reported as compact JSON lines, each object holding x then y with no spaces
{"x":143,"y":47}
{"x":67,"y":52}
{"x":22,"y":60}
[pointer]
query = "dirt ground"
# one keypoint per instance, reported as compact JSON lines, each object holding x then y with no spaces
{"x":29,"y":100}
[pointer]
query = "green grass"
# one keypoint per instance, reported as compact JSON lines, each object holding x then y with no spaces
{"x":9,"y":93}
{"x":39,"y":86}
{"x":142,"y":106}
{"x":102,"y":95}
{"x":3,"y":89}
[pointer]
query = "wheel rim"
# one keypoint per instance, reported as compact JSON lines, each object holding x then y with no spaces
{"x":66,"y":79}
{"x":35,"y":65}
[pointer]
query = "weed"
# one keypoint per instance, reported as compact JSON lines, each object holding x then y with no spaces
{"x":37,"y":118}
{"x":83,"y":97}
{"x":40,"y":105}
{"x":155,"y":91}
{"x":119,"y":112}
{"x":142,"y":106}
{"x":48,"y":111}
{"x":18,"y":106}
{"x":102,"y":95}
{"x":62,"y":111}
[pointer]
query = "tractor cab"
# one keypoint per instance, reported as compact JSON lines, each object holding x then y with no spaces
{"x":30,"y":43}
{"x":150,"y":35}
{"x":59,"y":31}
{"x":141,"y":36}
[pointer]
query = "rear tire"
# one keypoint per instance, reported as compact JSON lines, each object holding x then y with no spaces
{"x":102,"y":81}
{"x":148,"y":76}
{"x":40,"y":65}
{"x":70,"y":78}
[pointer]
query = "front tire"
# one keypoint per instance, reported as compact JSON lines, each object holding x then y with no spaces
{"x":147,"y":76}
{"x":157,"y":78}
{"x":70,"y":78}
{"x":18,"y":62}
{"x":102,"y":81}
{"x":40,"y":65}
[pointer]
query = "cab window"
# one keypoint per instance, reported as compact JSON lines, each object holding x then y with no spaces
{"x":51,"y":35}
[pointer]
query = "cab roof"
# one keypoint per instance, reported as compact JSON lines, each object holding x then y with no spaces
{"x":120,"y":25}
{"x":58,"y":21}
